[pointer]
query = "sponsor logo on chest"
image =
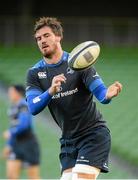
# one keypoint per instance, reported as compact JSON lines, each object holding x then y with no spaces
{"x":66,"y":93}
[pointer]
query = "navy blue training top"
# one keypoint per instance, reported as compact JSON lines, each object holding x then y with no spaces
{"x":73,"y":108}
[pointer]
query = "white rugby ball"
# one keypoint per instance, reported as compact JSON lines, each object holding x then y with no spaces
{"x":83,"y":55}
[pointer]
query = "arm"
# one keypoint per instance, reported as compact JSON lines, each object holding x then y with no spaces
{"x":10,"y":141}
{"x":25,"y":122}
{"x":38,"y":100}
{"x":95,"y":84}
{"x":8,"y":138}
{"x":99,"y":90}
{"x":8,"y":145}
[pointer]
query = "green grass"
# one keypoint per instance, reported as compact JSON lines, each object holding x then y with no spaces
{"x":121,"y":64}
{"x":114,"y":64}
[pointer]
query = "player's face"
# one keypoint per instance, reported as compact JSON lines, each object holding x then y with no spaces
{"x":47,"y":41}
{"x":13,"y":95}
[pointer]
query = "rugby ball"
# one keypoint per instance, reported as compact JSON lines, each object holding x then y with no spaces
{"x":84,"y":55}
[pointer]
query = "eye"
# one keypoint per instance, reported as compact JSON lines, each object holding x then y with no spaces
{"x":38,"y":38}
{"x":46,"y":35}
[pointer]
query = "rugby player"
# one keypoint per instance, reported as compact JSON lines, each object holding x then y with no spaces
{"x":85,"y":141}
{"x":22,"y":147}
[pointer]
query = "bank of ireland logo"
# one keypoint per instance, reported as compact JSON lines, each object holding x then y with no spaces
{"x":42,"y":75}
{"x":70,"y":71}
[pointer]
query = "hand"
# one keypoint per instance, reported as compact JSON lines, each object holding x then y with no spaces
{"x":113,"y":90}
{"x":6,"y":151}
{"x":6,"y":135}
{"x":56,"y":84}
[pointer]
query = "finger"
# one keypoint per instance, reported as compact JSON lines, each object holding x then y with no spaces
{"x":61,"y":79}
{"x":58,"y":89}
{"x":116,"y":91}
{"x":119,"y":86}
{"x":57,"y":84}
{"x":118,"y":83}
{"x":62,"y":76}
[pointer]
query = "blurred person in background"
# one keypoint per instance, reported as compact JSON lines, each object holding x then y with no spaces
{"x":22,"y":147}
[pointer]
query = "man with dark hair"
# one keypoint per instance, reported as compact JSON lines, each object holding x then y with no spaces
{"x":85,"y":141}
{"x":53,"y":23}
{"x":22,"y":146}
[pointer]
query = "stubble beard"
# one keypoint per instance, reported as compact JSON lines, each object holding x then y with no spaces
{"x":50,"y":53}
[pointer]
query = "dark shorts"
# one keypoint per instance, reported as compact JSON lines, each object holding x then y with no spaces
{"x":26,"y":150}
{"x":90,"y":149}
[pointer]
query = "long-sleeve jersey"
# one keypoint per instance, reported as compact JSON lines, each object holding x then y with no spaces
{"x":73,"y":108}
{"x":20,"y":121}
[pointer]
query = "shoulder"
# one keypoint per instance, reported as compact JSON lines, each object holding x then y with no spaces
{"x":91,"y":70}
{"x":35,"y":68}
{"x":39,"y":64}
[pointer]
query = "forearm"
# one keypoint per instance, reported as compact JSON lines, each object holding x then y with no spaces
{"x":100,"y":94}
{"x":99,"y":90}
{"x":37,"y":103}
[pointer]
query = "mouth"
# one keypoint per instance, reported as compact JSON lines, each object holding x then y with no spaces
{"x":45,"y":46}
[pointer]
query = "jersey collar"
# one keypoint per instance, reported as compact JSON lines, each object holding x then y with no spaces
{"x":63,"y":58}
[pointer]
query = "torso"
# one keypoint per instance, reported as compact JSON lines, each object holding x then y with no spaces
{"x":73,"y":107}
{"x":14,"y":112}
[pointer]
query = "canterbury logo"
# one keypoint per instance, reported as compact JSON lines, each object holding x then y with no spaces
{"x":36,"y":100}
{"x":42,"y":75}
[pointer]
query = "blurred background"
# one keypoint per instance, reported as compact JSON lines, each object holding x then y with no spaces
{"x":114,"y":25}
{"x":108,"y":23}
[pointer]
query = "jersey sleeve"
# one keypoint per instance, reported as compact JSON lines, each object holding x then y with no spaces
{"x":10,"y":142}
{"x":95,"y":84}
{"x":90,"y":75}
{"x":24,"y":119}
{"x":32,"y":83}
{"x":37,"y":99}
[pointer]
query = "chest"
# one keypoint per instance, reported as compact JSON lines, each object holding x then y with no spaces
{"x":13,"y":114}
{"x":46,"y":75}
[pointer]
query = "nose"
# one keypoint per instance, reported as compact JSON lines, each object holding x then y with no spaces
{"x":43,"y":40}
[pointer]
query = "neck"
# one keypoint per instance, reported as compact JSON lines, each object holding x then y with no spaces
{"x":55,"y":58}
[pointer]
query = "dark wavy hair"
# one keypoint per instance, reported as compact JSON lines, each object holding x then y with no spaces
{"x":51,"y":22}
